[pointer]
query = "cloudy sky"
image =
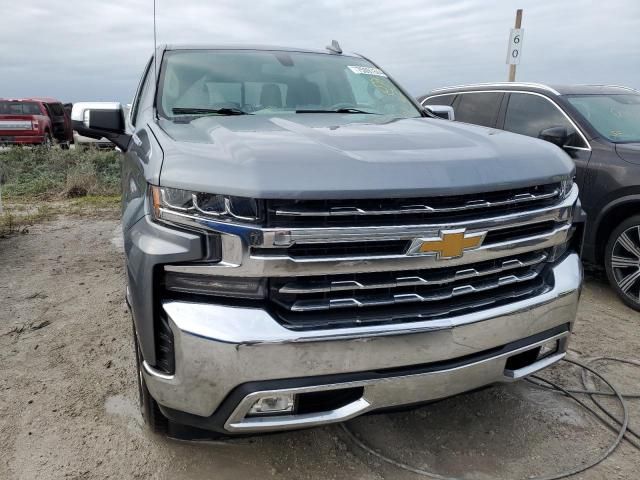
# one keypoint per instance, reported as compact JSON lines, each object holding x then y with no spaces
{"x":95,"y":50}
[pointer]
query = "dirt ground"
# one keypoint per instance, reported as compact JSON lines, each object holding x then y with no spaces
{"x":68,"y":399}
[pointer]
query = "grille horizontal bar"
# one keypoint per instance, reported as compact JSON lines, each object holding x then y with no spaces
{"x":407,"y":279}
{"x":414,"y":208}
{"x":413,"y":312}
{"x":356,"y":212}
{"x":435,"y":295}
{"x":370,"y":248}
{"x":356,"y":248}
{"x":258,"y":264}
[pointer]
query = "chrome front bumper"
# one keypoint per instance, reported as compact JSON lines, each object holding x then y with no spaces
{"x":219,"y":349}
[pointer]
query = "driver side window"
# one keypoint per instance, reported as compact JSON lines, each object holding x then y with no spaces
{"x":529,"y":114}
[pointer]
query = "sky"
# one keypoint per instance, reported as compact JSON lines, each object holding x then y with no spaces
{"x":83,"y":50}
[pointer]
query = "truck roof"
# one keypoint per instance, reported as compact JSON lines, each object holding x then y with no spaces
{"x":31,"y":99}
{"x":251,"y":47}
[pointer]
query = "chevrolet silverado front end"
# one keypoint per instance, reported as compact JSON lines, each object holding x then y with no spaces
{"x":304,"y":244}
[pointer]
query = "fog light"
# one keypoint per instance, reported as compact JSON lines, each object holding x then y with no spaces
{"x":273,"y":404}
{"x":547,"y":349}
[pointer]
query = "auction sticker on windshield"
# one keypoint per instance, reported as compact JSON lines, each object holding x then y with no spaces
{"x":366,"y":70}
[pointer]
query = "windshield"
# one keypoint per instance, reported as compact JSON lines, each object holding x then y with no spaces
{"x":615,"y":117}
{"x":225,"y":82}
{"x":19,"y":108}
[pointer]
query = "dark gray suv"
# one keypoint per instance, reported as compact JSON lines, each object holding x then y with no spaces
{"x":599,"y":127}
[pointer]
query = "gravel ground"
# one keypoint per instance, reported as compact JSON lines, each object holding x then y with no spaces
{"x":68,"y":400}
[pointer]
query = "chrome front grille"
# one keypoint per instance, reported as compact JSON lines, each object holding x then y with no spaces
{"x":330,"y":276}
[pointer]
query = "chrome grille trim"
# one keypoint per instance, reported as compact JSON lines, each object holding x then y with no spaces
{"x":301,"y":287}
{"x":240,"y":257}
{"x":282,"y":237}
{"x":410,"y":209}
{"x":287,"y":266}
{"x":434,"y":317}
{"x":404,"y":298}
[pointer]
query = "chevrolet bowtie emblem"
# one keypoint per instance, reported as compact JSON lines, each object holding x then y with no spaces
{"x":450,"y":244}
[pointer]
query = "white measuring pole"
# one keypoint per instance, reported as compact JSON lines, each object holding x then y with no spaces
{"x":515,"y":46}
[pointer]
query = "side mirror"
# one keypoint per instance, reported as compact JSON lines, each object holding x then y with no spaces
{"x":556,"y":135}
{"x":442,"y":111}
{"x":104,"y":122}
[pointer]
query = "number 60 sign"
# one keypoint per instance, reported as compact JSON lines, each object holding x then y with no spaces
{"x":515,"y":46}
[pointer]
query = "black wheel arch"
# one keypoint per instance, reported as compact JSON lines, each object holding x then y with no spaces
{"x":612,"y":215}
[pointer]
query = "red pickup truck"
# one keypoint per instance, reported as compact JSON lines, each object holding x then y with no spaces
{"x":34,"y":121}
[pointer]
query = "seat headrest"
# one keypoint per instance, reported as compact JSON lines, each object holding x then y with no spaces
{"x":303,"y":93}
{"x":271,"y":96}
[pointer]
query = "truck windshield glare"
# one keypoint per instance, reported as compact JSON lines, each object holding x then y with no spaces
{"x":207,"y":82}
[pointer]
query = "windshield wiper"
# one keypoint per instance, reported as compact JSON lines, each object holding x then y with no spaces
{"x":209,"y":111}
{"x":338,"y":110}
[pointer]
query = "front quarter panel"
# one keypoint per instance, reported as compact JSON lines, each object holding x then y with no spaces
{"x":141,"y":167}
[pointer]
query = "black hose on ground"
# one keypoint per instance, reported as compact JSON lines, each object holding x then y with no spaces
{"x":589,"y":385}
{"x":592,"y":392}
{"x":621,"y":427}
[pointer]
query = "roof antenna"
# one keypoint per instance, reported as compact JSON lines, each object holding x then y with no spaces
{"x":334,"y":47}
{"x":155,"y":60}
{"x":155,"y":46}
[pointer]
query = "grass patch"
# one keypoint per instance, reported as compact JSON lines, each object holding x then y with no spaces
{"x":19,"y":216}
{"x":19,"y":221}
{"x":51,"y":173}
{"x":97,"y":202}
{"x":89,"y":205}
{"x":42,"y":183}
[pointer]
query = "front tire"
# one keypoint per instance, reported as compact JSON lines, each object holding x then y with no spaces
{"x":153,"y":417}
{"x":622,"y":261}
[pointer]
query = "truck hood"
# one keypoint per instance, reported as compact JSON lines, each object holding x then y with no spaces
{"x":350,"y":156}
{"x":629,"y":152}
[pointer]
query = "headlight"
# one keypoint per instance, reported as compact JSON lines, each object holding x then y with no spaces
{"x":575,"y":236}
{"x":172,"y":204}
{"x":565,"y":187}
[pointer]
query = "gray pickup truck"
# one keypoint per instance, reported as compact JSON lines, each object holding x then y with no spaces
{"x":305,"y":243}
